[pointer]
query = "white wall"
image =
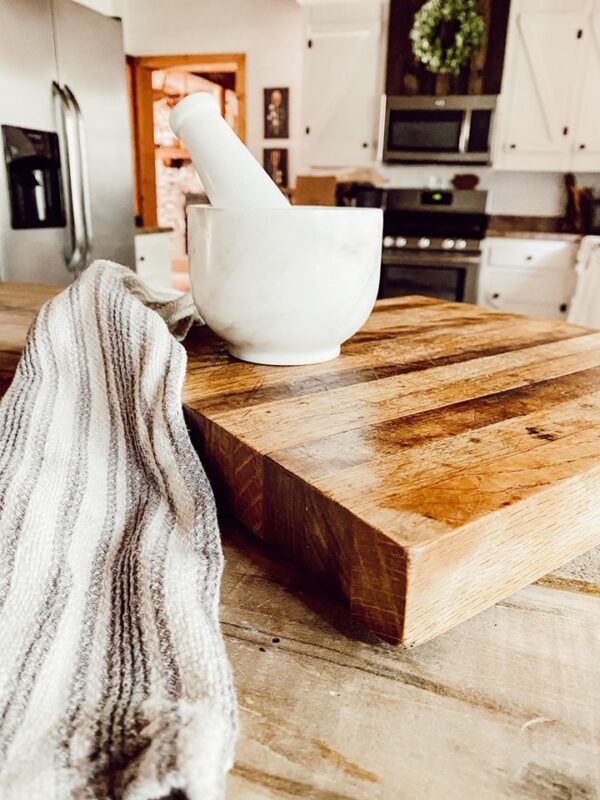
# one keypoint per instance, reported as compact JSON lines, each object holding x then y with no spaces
{"x":110,"y":8}
{"x":269,"y":32}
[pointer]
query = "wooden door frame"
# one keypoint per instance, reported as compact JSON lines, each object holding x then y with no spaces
{"x":140,"y":70}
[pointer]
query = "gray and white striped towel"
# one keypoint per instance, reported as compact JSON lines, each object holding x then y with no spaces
{"x":114,"y":681}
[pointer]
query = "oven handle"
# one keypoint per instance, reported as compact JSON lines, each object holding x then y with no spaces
{"x":465,"y":132}
{"x":472,"y":262}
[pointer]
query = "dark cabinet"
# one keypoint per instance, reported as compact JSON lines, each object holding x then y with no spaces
{"x":405,"y":75}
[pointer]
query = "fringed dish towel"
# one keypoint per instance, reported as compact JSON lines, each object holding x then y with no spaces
{"x":114,"y":681}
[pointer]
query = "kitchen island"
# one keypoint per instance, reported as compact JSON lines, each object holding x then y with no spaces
{"x":506,"y":705}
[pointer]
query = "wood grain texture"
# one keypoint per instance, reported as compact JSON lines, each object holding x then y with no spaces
{"x":19,"y":303}
{"x":505,"y":705}
{"x":521,"y":227}
{"x":450,"y":456}
{"x":142,"y":128}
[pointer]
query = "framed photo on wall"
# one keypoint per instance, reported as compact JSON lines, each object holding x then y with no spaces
{"x":277,"y":113}
{"x":275,"y":162}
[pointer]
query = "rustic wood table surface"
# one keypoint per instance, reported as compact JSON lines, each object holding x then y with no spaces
{"x":505,"y":705}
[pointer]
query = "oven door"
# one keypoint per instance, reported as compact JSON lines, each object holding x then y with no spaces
{"x":433,"y":275}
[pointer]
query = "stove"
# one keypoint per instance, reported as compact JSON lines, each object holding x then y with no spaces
{"x":432,"y":243}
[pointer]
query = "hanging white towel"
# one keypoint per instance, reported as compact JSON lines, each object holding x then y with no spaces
{"x":585,"y":305}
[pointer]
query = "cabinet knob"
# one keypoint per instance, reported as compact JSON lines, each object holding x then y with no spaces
{"x":528,"y":258}
{"x":364,"y":144}
{"x":582,"y":147}
{"x":513,"y":146}
{"x":563,"y":307}
{"x":495,"y":295}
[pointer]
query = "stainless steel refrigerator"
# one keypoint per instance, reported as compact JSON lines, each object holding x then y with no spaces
{"x":66,"y":165}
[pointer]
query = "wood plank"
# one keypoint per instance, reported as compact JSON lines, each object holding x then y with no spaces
{"x":503,"y":706}
{"x":142,"y":116}
{"x":212,"y":391}
{"x":276,"y":425}
{"x":19,"y":303}
{"x":490,"y":423}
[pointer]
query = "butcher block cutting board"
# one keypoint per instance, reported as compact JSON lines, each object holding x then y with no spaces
{"x":450,"y":456}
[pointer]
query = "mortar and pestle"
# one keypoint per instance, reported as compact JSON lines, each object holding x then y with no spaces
{"x":280,"y":284}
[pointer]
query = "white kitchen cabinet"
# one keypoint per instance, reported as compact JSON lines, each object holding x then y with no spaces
{"x":586,"y":139}
{"x":528,"y":276}
{"x":549,"y":117}
{"x":153,"y":258}
{"x":342,"y":78}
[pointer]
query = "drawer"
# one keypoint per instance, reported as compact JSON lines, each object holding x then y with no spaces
{"x":530,"y":309}
{"x":530,"y":253}
{"x":544,"y":293}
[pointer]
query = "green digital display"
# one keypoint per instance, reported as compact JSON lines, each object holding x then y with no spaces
{"x":436,"y":198}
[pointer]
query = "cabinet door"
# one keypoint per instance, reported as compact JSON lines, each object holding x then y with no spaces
{"x":341,"y":96}
{"x":586,"y":140}
{"x":545,"y":69}
{"x":527,"y":276}
{"x":537,"y":293}
{"x":153,"y":259}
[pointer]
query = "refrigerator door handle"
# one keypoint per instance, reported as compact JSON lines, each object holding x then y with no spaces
{"x":75,"y":253}
{"x":83,"y":188}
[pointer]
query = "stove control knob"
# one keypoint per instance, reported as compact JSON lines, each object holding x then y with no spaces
{"x":400,"y":241}
{"x":424,"y":242}
{"x":448,"y":244}
{"x":460,"y":244}
{"x":388,"y":241}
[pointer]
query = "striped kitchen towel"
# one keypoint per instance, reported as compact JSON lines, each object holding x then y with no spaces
{"x":114,"y":681}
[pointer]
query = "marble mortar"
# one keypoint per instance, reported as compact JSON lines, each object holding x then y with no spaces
{"x":285,"y":285}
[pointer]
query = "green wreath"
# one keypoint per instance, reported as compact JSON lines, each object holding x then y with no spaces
{"x":446,"y":34}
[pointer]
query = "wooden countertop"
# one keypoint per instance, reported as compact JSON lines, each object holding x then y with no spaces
{"x":543,"y":235}
{"x":506,"y":705}
{"x":143,"y":230}
{"x":529,"y":227}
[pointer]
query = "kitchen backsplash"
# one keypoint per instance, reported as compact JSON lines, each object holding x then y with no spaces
{"x":515,"y":193}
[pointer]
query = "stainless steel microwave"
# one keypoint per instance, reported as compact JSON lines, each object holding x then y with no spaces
{"x":456,"y":129}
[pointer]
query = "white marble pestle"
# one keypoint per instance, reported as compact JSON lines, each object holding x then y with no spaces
{"x":281,"y":284}
{"x":229,"y":172}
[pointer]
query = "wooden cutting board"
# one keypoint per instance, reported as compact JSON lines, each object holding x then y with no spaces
{"x":450,"y":456}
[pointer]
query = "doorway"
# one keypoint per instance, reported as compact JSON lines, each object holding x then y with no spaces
{"x":165,"y":181}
